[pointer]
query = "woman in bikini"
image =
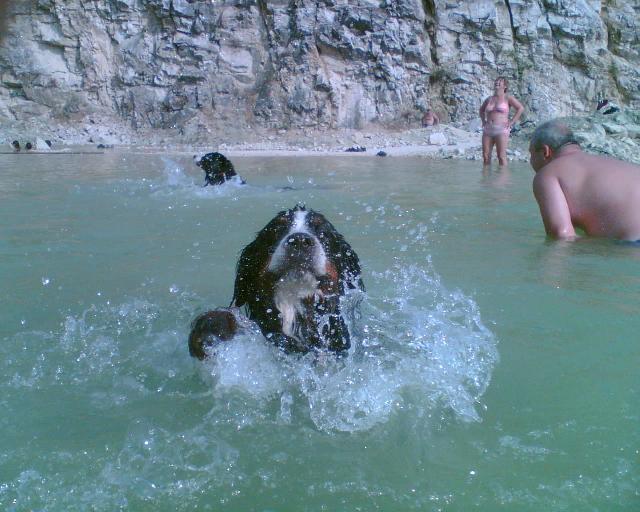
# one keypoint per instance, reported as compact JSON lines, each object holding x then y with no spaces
{"x":496,"y":125}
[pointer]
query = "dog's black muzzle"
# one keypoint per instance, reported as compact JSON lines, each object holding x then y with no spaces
{"x":299,"y":249}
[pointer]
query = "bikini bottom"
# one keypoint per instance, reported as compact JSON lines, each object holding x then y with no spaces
{"x":495,"y":130}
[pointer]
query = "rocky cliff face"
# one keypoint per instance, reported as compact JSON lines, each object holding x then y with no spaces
{"x":199,"y":65}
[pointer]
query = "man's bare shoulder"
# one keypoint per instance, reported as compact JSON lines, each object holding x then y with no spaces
{"x":610,"y":162}
{"x":550,"y":170}
{"x":589,"y":164}
{"x":545,"y":178}
{"x":573,"y":163}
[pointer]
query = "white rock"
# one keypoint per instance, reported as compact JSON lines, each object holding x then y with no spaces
{"x":41,"y":145}
{"x":438,"y":139}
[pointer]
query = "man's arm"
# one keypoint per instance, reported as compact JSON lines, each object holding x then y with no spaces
{"x":554,"y":208}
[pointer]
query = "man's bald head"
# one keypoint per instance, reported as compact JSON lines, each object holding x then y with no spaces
{"x":554,"y":134}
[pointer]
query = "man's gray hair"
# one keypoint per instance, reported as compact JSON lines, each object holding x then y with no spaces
{"x":554,"y":134}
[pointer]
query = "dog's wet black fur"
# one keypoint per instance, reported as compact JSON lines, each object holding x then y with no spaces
{"x":217,"y":169}
{"x":290,"y":281}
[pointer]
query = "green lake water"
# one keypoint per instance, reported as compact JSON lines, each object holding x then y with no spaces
{"x":491,"y":369}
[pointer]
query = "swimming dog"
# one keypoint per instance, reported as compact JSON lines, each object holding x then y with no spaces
{"x":290,"y":281}
{"x":217,"y":169}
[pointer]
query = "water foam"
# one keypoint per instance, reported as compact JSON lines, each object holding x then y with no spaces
{"x":98,"y":345}
{"x":176,"y":181}
{"x":420,"y":347}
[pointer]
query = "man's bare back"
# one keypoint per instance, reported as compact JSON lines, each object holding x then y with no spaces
{"x":574,"y":189}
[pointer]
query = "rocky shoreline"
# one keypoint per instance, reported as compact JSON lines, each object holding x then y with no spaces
{"x":442,"y":141}
{"x":617,"y":135}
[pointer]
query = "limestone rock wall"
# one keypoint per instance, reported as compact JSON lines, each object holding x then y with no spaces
{"x":233,"y":64}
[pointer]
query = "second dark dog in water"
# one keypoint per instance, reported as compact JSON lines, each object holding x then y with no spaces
{"x":217,"y":169}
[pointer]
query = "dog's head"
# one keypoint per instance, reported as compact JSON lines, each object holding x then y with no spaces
{"x":291,"y":279}
{"x":217,"y":168}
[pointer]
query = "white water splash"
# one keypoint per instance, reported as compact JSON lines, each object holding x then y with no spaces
{"x":420,"y":347}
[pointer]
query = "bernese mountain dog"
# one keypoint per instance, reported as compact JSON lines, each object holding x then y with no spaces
{"x":217,"y":169}
{"x":290,"y":281}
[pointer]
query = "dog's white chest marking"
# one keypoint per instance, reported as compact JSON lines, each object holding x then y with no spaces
{"x":290,"y":291}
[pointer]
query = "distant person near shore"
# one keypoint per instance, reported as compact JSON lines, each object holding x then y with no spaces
{"x":496,"y":125}
{"x":605,"y":106}
{"x":599,"y":195}
{"x":430,"y":118}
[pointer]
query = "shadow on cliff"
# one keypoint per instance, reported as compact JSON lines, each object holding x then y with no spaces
{"x":4,"y":5}
{"x":6,"y":11}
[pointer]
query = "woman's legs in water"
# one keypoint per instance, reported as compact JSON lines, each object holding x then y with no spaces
{"x":502,"y":141}
{"x":487,"y":148}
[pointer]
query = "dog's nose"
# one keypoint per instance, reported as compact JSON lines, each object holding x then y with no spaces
{"x":300,"y":241}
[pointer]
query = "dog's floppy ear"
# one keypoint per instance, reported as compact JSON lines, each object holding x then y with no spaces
{"x":246,"y":272}
{"x":345,"y":258}
{"x":348,"y":263}
{"x":254,"y":259}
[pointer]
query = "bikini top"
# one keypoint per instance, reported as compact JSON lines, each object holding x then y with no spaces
{"x":501,"y":107}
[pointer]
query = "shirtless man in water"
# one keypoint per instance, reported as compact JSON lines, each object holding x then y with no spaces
{"x":599,"y":195}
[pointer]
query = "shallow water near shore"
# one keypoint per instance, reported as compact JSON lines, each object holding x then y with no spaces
{"x":491,"y":369}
